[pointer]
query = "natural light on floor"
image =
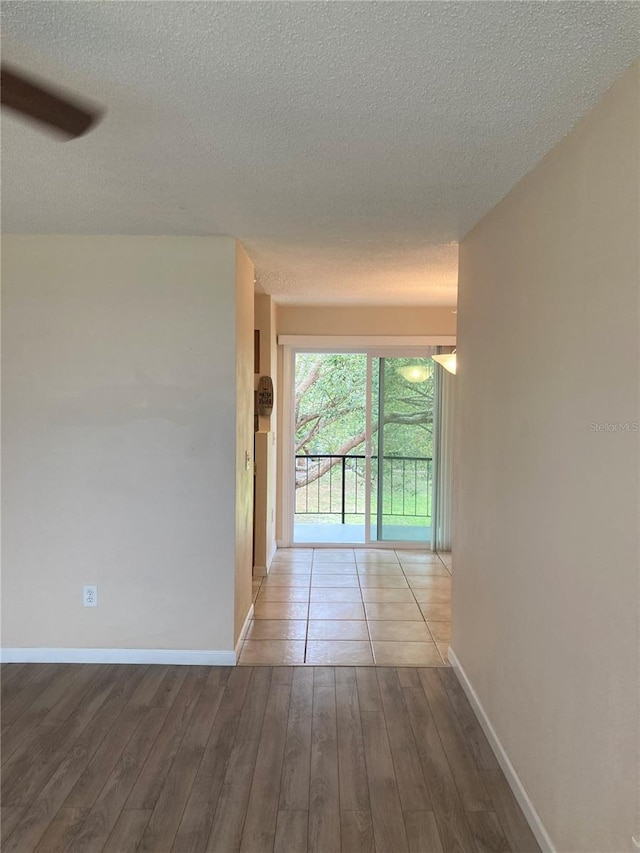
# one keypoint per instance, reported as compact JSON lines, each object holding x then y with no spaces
{"x":351,"y":606}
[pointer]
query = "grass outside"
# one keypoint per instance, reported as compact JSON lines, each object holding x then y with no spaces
{"x":399,"y":520}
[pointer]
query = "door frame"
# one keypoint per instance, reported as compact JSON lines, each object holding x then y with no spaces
{"x":374,"y":346}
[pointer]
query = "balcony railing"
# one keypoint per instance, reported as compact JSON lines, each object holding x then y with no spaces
{"x":331,"y":484}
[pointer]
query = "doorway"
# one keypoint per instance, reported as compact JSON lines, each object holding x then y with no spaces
{"x":367,"y":588}
{"x":362,"y":447}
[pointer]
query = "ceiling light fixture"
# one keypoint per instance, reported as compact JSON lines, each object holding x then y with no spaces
{"x":414,"y":372}
{"x":447,"y":360}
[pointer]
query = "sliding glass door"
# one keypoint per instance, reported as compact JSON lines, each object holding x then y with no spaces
{"x":363,"y":433}
{"x":330,"y":431}
{"x":403,"y":422}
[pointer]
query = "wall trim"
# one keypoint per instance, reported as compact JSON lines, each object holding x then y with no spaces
{"x":287,"y":484}
{"x":515,"y":783}
{"x":245,"y":628}
{"x":187,"y":657}
{"x":274,"y":548}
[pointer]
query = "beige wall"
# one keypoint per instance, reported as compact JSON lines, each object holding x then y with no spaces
{"x":244,"y":275}
{"x":365,"y":320}
{"x":265,"y":523}
{"x":545,"y":596}
{"x":265,"y":528}
{"x":119,"y":423}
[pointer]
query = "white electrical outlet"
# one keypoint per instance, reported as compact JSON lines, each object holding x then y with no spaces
{"x":90,"y":595}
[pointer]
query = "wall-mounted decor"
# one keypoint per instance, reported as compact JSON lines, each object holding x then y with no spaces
{"x":265,"y":395}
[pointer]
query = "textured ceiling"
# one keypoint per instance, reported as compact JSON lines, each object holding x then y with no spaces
{"x":348,"y":145}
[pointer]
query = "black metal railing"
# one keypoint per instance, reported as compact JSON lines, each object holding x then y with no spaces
{"x":334,"y":484}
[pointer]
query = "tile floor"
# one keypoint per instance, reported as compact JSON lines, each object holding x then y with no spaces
{"x":351,"y":607}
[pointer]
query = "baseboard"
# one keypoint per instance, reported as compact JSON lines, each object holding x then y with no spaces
{"x":515,"y":783}
{"x":188,"y":657}
{"x":243,"y":632}
{"x":263,"y":571}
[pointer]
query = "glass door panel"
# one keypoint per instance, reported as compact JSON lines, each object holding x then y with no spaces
{"x":330,"y":412}
{"x":363,"y":427}
{"x":372,"y":445}
{"x":402,"y":484}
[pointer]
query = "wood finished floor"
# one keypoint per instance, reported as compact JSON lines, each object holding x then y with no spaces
{"x":248,"y":760}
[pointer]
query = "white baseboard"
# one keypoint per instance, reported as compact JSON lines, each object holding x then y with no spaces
{"x":263,"y":571}
{"x":515,"y":783}
{"x":243,"y":632}
{"x":190,"y":657}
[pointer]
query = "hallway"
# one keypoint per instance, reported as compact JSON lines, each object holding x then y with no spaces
{"x":121,"y":758}
{"x":353,"y":607}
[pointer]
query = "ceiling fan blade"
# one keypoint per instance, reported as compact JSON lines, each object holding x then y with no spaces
{"x":43,"y":104}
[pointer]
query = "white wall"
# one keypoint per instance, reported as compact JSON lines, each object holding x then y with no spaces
{"x":119,"y":429}
{"x":546,"y":551}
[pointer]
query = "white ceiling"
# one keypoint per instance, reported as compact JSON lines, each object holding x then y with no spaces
{"x":348,"y":145}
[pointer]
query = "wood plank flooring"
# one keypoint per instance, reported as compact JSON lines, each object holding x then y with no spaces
{"x":249,"y":760}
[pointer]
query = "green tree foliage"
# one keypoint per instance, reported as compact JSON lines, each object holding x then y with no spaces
{"x":330,"y":408}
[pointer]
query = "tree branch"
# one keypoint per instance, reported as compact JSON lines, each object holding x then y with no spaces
{"x":309,"y":379}
{"x":308,"y":437}
{"x":310,"y":475}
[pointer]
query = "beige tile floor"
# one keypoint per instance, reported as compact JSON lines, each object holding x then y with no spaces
{"x":351,"y":606}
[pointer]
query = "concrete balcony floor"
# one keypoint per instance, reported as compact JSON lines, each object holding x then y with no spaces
{"x":350,"y":534}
